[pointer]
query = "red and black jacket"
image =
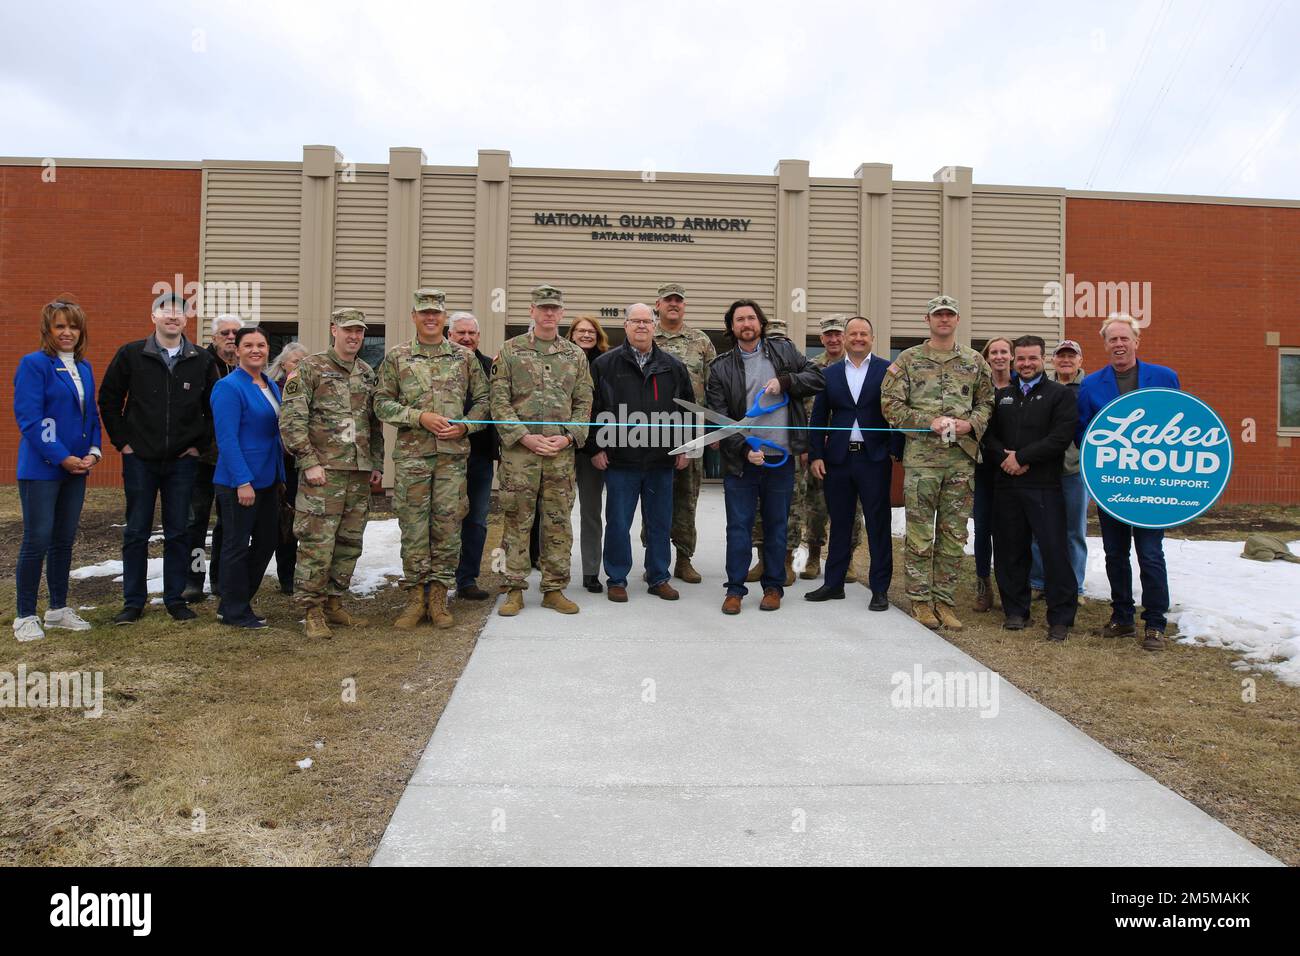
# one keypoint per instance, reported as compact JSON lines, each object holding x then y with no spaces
{"x":621,"y":388}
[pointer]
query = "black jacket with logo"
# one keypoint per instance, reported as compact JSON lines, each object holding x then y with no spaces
{"x":620,"y":387}
{"x":1038,"y":427}
{"x":157,"y":411}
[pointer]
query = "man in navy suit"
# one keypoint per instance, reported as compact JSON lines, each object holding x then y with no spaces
{"x":854,"y":462}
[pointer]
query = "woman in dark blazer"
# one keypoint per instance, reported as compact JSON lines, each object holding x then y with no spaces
{"x":249,"y":473}
{"x":54,"y":403}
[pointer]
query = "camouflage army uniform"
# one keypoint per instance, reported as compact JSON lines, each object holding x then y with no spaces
{"x":429,"y":472}
{"x":921,"y":385}
{"x":693,"y":348}
{"x":327,"y":419}
{"x":535,"y":381}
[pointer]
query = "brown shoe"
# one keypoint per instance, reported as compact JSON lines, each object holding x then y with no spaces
{"x":556,"y":601}
{"x":665,"y":591}
{"x":947,"y":619}
{"x":512,"y":605}
{"x":813,"y":569}
{"x":315,"y":626}
{"x":756,"y":572}
{"x":335,"y":614}
{"x":789,"y":569}
{"x":438,"y":612}
{"x":924,"y":613}
{"x":771,"y":600}
{"x":1116,"y":629}
{"x":1153,"y":640}
{"x":616,"y":593}
{"x":414,"y":612}
{"x":685,"y":571}
{"x":983,"y":595}
{"x":731,"y":604}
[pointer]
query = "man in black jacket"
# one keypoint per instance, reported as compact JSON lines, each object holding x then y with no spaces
{"x":222,"y":350}
{"x":153,"y":402}
{"x":636,"y":384}
{"x":1033,"y":425}
{"x":484,"y":451}
{"x":772,"y":368}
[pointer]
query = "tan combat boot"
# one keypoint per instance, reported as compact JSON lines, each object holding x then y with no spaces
{"x":924,"y":613}
{"x":813,"y":569}
{"x":315,"y":627}
{"x":556,"y":601}
{"x":685,"y":571}
{"x":947,"y":618}
{"x":438,"y":612}
{"x":756,"y":572}
{"x":335,"y":614}
{"x":983,"y":595}
{"x":789,"y":569}
{"x":512,"y":605}
{"x":413,"y":613}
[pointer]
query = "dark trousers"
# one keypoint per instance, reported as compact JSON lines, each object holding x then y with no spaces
{"x":1117,"y":538}
{"x":286,"y":549}
{"x":653,"y":488}
{"x":51,"y":513}
{"x":250,"y":539}
{"x":758,"y":489}
{"x":473,"y":530}
{"x":983,"y":515}
{"x":1019,"y":516}
{"x":200,"y":512}
{"x":144,"y":482}
{"x":859,"y":480}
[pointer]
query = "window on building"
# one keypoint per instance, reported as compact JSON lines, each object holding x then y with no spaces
{"x":1288,"y":397}
{"x":372,"y":346}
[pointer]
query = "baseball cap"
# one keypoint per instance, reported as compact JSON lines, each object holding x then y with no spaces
{"x":429,"y":300}
{"x":940,"y":302}
{"x":348,"y":318}
{"x":548,"y":295}
{"x":671,"y":288}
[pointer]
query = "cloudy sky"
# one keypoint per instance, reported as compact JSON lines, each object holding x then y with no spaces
{"x":1182,"y":96}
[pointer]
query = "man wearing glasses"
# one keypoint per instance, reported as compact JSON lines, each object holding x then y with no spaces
{"x":222,"y":350}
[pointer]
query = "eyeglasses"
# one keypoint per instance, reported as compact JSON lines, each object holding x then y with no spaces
{"x":640,"y":321}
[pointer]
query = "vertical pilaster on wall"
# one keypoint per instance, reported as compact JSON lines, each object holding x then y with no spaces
{"x":491,"y":247}
{"x":792,"y":248}
{"x":956,"y":225}
{"x":316,"y":262}
{"x":875,"y":265}
{"x":403,"y":265}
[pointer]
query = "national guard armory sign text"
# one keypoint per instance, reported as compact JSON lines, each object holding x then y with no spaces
{"x":634,"y":227}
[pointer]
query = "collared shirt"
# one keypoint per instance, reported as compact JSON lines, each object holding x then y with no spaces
{"x":641,"y":357}
{"x":1025,"y":387}
{"x":856,"y":375}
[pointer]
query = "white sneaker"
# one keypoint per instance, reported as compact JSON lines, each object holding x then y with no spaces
{"x":28,"y":628}
{"x":66,"y":618}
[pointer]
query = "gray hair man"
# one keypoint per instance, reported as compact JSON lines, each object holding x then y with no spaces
{"x":484,"y":452}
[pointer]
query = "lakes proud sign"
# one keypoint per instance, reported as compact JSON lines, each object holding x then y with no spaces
{"x":1156,"y":458}
{"x":633,"y":227}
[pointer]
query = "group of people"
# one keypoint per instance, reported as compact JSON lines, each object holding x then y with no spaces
{"x":291,"y":451}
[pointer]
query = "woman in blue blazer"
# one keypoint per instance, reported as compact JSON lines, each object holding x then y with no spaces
{"x":248,"y":476}
{"x":54,"y":403}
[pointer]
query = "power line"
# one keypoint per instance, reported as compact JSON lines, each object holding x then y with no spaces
{"x":1249,"y":155}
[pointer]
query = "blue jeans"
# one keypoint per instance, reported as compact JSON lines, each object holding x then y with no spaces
{"x":144,"y":482}
{"x":473,"y":530}
{"x":1076,"y":532}
{"x":51,"y":513}
{"x":653,"y":487}
{"x":768,"y":489}
{"x":1116,"y":537}
{"x":984,"y":481}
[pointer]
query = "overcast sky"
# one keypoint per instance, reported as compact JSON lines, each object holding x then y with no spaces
{"x":1183,"y":96}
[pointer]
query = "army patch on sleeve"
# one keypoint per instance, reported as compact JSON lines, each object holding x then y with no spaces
{"x":893,"y":369}
{"x":494,"y":368}
{"x":292,"y":388}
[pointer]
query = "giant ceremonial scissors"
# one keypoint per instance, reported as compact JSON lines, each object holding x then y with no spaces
{"x":730,"y":425}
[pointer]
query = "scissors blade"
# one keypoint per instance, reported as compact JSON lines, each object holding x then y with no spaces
{"x":706,"y":439}
{"x":710,"y":414}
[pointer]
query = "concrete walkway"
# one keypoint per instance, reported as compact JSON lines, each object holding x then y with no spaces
{"x":666,"y":733}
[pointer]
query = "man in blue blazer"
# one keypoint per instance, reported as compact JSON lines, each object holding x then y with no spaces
{"x":1124,"y":374}
{"x":855,"y":463}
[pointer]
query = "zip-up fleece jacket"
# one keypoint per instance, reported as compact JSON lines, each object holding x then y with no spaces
{"x":620,"y":386}
{"x":158,"y":412}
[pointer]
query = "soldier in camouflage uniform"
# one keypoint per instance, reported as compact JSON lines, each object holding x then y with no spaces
{"x":327,"y":422}
{"x":423,"y":385}
{"x":539,"y":377}
{"x":947,"y":388}
{"x":694,"y":350}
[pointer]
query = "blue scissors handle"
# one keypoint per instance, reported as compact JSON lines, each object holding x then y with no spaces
{"x":758,"y":408}
{"x":758,"y":444}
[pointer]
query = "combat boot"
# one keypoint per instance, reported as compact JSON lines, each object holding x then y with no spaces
{"x":335,"y":614}
{"x":983,"y":595}
{"x":315,"y":626}
{"x":685,"y":571}
{"x":556,"y":601}
{"x":438,"y":612}
{"x":414,"y":612}
{"x":924,"y":613}
{"x":813,"y":569}
{"x":756,"y":572}
{"x":513,"y":604}
{"x":789,"y":569}
{"x":947,"y":618}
